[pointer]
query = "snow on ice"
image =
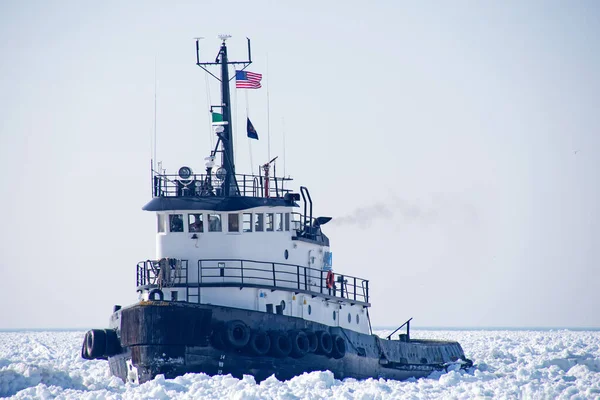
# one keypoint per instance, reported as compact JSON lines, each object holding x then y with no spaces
{"x":508,"y":364}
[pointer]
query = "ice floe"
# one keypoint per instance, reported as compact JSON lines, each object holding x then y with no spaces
{"x":508,"y":364}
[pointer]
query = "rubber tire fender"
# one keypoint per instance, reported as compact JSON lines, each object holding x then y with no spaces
{"x":312,"y":340}
{"x":260,"y":343}
{"x":159,"y":292}
{"x":300,"y":343}
{"x":236,"y":334}
{"x":95,"y":343}
{"x":85,"y":354}
{"x":281,"y":345}
{"x":113,"y":345}
{"x":339,"y":346}
{"x":324,"y":343}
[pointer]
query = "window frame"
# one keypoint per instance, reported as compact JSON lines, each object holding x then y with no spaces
{"x":250,"y":223}
{"x":260,"y":220}
{"x":171,"y":218}
{"x":190,"y":224}
{"x":229,"y":222}
{"x":270,"y":218}
{"x":161,"y":223}
{"x":219,"y":219}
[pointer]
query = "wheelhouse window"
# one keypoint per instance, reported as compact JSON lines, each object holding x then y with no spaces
{"x":296,"y":224}
{"x":162,"y":227}
{"x":270,"y":222}
{"x":279,"y":222}
{"x":195,"y":223}
{"x":259,"y":222}
{"x":287,"y":221}
{"x":247,"y":222}
{"x":176,"y":222}
{"x":214,"y":223}
{"x":233,"y":222}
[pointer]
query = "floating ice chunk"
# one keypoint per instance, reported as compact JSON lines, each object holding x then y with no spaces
{"x":450,"y":379}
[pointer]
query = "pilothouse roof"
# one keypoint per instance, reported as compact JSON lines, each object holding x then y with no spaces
{"x":238,"y":203}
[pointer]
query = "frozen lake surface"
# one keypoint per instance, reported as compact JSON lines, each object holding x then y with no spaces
{"x":508,"y":364}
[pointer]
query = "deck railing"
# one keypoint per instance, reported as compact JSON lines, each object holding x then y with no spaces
{"x":250,"y":273}
{"x":203,"y":185}
{"x":167,"y":272}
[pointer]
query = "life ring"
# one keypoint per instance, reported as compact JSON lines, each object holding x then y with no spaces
{"x":237,"y":334}
{"x":330,"y":279}
{"x":259,"y":343}
{"x":300,"y":343}
{"x":324,"y":343}
{"x":153,"y":292}
{"x":339,"y":346}
{"x":281,"y":345}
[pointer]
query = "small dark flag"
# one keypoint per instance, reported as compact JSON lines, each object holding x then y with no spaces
{"x":251,"y":131}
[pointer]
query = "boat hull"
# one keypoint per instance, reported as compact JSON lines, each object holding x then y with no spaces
{"x":173,"y":339}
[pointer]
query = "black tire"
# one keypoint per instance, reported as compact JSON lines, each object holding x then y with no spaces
{"x":312,"y":341}
{"x":95,"y":343}
{"x":216,"y":337}
{"x":300,"y":344}
{"x":154,"y":292}
{"x":281,"y":345}
{"x":113,"y":345}
{"x":260,"y":343}
{"x":324,"y":343}
{"x":236,"y":334}
{"x":84,"y":350}
{"x":339,"y":346}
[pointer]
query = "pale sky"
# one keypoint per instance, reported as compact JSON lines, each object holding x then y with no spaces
{"x":456,"y":144}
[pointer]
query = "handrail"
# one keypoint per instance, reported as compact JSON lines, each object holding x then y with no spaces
{"x":278,"y":275}
{"x":250,"y":273}
{"x":407,"y":323}
{"x":165,"y":272}
{"x":204,"y":185}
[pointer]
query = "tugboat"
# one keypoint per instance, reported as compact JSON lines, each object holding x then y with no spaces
{"x":243,"y":284}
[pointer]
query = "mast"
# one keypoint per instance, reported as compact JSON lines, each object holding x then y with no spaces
{"x":226,"y":135}
{"x":230,"y":187}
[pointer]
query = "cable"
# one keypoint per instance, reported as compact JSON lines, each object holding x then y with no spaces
{"x":208,"y":103}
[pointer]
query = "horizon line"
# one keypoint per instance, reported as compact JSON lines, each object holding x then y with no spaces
{"x":376,"y":327}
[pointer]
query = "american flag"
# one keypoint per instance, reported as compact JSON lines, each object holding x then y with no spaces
{"x":247,"y":80}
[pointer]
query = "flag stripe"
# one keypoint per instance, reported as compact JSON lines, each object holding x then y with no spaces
{"x":248,"y":85}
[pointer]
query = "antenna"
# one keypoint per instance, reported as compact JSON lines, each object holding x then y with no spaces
{"x":283,"y":131}
{"x":268,"y":114}
{"x":154,"y":155}
{"x":224,"y":37}
{"x":197,"y":39}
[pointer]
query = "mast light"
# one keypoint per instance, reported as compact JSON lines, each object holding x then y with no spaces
{"x":210,"y":162}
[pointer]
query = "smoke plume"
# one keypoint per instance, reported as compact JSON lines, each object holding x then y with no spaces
{"x":437,"y":209}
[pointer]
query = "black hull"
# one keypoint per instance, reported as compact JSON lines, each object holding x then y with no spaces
{"x":177,"y":338}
